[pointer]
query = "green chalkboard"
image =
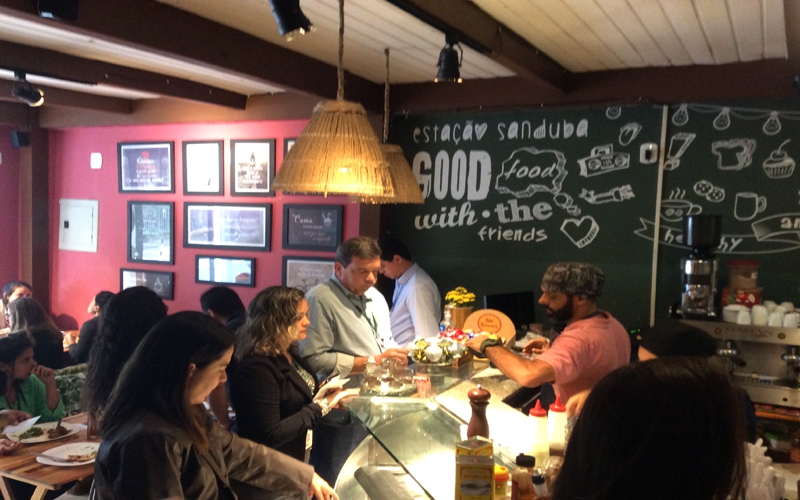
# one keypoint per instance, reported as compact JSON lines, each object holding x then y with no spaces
{"x":736,"y":160}
{"x":507,"y":194}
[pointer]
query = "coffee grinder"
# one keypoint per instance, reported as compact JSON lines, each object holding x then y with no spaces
{"x":699,"y":270}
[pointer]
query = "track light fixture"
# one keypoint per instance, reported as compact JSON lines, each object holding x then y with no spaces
{"x":26,"y":92}
{"x":450,"y":60}
{"x":290,"y":18}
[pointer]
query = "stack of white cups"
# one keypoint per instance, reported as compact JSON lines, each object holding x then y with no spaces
{"x":782,"y":315}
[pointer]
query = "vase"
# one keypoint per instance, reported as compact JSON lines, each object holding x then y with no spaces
{"x":458,"y":316}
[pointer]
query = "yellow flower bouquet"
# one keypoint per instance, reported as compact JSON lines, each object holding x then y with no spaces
{"x":460,"y":297}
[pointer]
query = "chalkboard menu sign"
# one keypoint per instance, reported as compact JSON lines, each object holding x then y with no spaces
{"x":737,"y":160}
{"x":507,"y":194}
{"x":312,"y":227}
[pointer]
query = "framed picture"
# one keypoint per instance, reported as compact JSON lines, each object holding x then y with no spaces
{"x":252,"y":167}
{"x":150,"y":231}
{"x":146,"y":167}
{"x":157,"y":281}
{"x":202,"y":167}
{"x":227,"y":225}
{"x":312,"y":227}
{"x":288,"y":142}
{"x":225,"y":270}
{"x":306,"y":272}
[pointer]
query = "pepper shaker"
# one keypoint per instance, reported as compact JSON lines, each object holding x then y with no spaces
{"x":478,"y":400}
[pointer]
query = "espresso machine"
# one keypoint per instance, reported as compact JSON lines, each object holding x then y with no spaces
{"x":699,"y":269}
{"x":764,"y":360}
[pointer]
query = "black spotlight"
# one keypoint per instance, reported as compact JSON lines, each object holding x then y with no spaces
{"x":290,"y":18}
{"x":450,"y":60}
{"x":26,"y":92}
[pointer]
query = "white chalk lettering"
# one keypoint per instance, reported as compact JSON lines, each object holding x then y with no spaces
{"x":487,"y":233}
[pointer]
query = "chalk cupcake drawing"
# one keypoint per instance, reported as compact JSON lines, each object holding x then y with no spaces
{"x":779,"y":165}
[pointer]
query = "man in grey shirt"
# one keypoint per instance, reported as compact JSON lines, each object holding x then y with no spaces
{"x":350,"y":321}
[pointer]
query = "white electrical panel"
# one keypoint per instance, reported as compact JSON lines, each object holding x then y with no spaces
{"x":77,"y":225}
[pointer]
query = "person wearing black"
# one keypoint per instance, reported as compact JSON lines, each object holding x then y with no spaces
{"x":271,"y":386}
{"x":79,"y":351}
{"x":224,"y":305}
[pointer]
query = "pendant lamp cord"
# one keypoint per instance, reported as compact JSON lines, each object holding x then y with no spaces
{"x":386,"y":101}
{"x":340,"y":69}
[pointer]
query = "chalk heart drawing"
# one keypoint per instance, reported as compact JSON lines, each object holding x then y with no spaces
{"x":779,"y":165}
{"x":734,"y":154}
{"x":678,"y":144}
{"x":480,"y":129}
{"x":603,"y":160}
{"x":628,"y":132}
{"x":709,"y":191}
{"x":581,"y":231}
{"x":528,"y":171}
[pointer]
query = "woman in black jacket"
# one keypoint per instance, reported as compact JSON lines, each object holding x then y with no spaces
{"x":271,"y":386}
{"x":158,"y":442}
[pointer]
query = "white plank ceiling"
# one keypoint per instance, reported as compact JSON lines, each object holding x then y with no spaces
{"x":581,"y":35}
{"x":595,"y":35}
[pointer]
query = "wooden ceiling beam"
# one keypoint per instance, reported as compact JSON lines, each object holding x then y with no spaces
{"x":166,"y":30}
{"x":482,"y":32}
{"x":54,"y":64}
{"x":71,"y":99}
{"x":657,"y":85}
{"x":14,"y":114}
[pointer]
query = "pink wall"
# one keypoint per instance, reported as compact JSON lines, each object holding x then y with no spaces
{"x":9,"y":209}
{"x":77,"y":276}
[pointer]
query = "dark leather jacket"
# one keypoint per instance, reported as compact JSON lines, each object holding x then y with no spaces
{"x":150,"y":459}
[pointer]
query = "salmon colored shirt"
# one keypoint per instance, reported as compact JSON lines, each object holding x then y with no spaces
{"x":586,"y":351}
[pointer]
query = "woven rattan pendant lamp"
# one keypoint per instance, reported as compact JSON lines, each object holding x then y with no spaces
{"x":406,"y":187}
{"x":337,"y":152}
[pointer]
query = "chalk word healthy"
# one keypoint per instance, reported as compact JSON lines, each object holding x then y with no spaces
{"x":465,"y":173}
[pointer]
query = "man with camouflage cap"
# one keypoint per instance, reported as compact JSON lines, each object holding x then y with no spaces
{"x":592,"y":344}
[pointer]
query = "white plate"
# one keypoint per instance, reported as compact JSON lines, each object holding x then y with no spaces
{"x":72,"y":428}
{"x":65,"y":450}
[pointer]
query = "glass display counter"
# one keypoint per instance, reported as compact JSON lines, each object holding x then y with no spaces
{"x":410,"y":450}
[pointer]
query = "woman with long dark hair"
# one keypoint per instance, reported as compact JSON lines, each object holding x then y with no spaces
{"x":26,"y":313}
{"x":662,"y":429}
{"x":271,"y":386}
{"x":127,"y":317}
{"x":158,"y":440}
{"x":27,"y":386}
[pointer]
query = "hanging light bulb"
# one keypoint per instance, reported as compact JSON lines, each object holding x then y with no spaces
{"x":773,"y":125}
{"x":681,"y":117}
{"x":723,"y":119}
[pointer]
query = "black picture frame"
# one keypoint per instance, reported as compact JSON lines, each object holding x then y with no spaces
{"x":233,"y":226}
{"x":204,"y":270}
{"x":312,"y":227}
{"x":146,"y":167}
{"x":161,"y":282}
{"x":252,"y":167}
{"x":305,"y":272}
{"x":202,"y":168}
{"x":151,"y":232}
{"x":288,"y":142}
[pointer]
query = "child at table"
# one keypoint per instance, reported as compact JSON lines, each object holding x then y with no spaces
{"x":28,"y":387}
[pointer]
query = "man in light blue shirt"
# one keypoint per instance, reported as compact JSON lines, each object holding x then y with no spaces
{"x":416,"y":304}
{"x":349,"y":318}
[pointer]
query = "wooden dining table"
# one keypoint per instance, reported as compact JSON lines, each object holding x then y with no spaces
{"x":22,"y":465}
